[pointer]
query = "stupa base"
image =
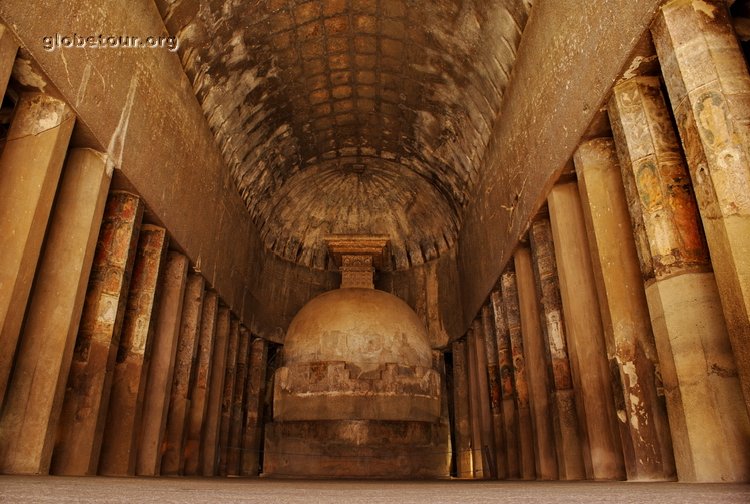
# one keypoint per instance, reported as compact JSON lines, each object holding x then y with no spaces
{"x":357,"y":449}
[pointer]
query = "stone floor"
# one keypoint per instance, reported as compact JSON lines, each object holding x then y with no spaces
{"x":17,"y":489}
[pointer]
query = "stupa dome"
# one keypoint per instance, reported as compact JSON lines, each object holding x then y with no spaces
{"x":365,"y":327}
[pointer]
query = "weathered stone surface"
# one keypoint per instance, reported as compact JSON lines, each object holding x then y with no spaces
{"x":495,"y":391}
{"x":30,"y":167}
{"x":89,"y":383}
{"x":210,"y":438}
{"x":227,"y":399}
{"x":461,"y":420}
{"x":505,"y":365}
{"x":29,"y":415}
{"x":644,"y":428}
{"x":180,"y":397}
{"x":256,"y":387}
{"x":511,"y":307}
{"x":200,"y":384}
{"x":120,"y":438}
{"x":161,"y":367}
{"x":535,"y":361}
{"x":585,"y":333}
{"x":568,"y":441}
{"x":709,"y":88}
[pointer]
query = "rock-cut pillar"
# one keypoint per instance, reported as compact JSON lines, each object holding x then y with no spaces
{"x":527,"y":464}
{"x":161,"y":367}
{"x":507,"y":388}
{"x":30,"y":166}
{"x":583,"y":326}
{"x":29,"y":417}
{"x":122,"y":427}
{"x":475,"y":412}
{"x":179,"y":402}
{"x":253,"y":428}
{"x":536,"y":367}
{"x":485,"y":408}
{"x":708,"y":420}
{"x":200,"y":386}
{"x":89,"y":382}
{"x":569,"y":440}
{"x":495,"y":391}
{"x":709,"y":87}
{"x":227,"y":400}
{"x":234,"y":452}
{"x":210,"y":437}
{"x":644,"y":427}
{"x":461,"y":414}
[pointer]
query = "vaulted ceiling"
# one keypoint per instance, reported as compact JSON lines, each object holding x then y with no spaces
{"x":351,"y":116}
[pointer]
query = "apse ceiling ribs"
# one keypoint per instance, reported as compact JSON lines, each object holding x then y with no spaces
{"x":351,"y":116}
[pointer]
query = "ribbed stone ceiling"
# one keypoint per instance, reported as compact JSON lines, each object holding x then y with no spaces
{"x":351,"y":116}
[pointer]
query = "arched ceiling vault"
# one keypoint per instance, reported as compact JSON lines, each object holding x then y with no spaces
{"x":351,"y":116}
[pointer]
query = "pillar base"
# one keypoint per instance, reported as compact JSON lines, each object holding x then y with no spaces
{"x":709,"y":424}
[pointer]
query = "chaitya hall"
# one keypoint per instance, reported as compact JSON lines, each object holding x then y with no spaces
{"x":436,"y":240}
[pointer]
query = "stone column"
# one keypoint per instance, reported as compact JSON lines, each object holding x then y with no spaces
{"x":584,"y":328}
{"x":29,"y":416}
{"x":120,"y":438}
{"x":461,"y":420}
{"x":179,"y":402}
{"x":505,"y":367}
{"x":89,"y":382}
{"x":485,"y":410}
{"x":521,"y":390}
{"x":161,"y":367}
{"x":199,"y":392}
{"x":255,"y":391}
{"x":495,"y":391}
{"x":709,"y":425}
{"x":475,"y":413}
{"x":709,"y":88}
{"x":8,"y":49}
{"x":234,"y":452}
{"x":227,"y":400}
{"x":30,"y":166}
{"x":644,"y":427}
{"x":210,"y":438}
{"x":438,"y":364}
{"x":569,"y":440}
{"x":536,"y":367}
